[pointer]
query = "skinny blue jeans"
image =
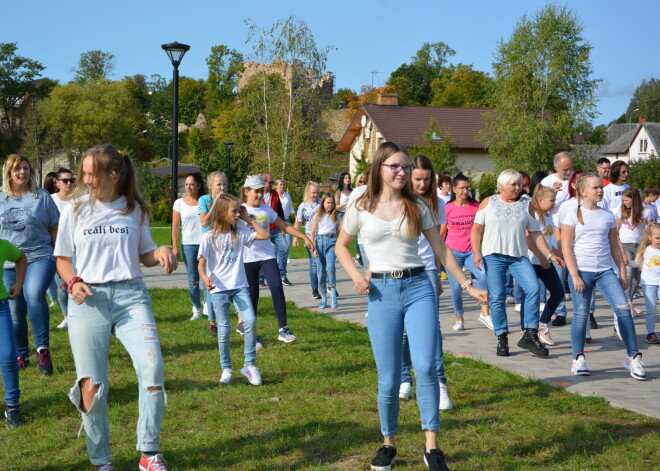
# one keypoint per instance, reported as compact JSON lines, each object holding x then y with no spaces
{"x":439,"y":356}
{"x":313,"y":275}
{"x":52,"y":291}
{"x":325,"y":262}
{"x":281,"y":250}
{"x":464,"y":259}
{"x":395,"y":305}
{"x":241,"y":299}
{"x":496,"y":266}
{"x":189,"y":252}
{"x":8,"y":356}
{"x":123,"y":309}
{"x":608,"y":284}
{"x":31,"y":302}
{"x":651,"y":294}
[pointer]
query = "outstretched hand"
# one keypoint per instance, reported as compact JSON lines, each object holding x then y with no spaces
{"x":167,"y":259}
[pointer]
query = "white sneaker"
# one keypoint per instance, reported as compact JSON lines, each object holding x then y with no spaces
{"x":487,"y":321}
{"x":205,"y":311}
{"x":63,"y":325}
{"x":197,"y":313}
{"x":258,"y":345}
{"x":517,"y":308}
{"x":616,"y":331}
{"x":226,"y":376}
{"x":445,"y":402}
{"x":634,"y":364}
{"x":251,"y":372}
{"x":460,"y":325}
{"x":405,"y":390}
{"x":541,"y":308}
{"x":579,"y":366}
{"x":544,"y":335}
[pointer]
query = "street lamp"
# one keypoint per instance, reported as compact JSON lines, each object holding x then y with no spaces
{"x":175,"y":51}
{"x":228,"y":146}
{"x":40,"y":158}
{"x":630,"y":138}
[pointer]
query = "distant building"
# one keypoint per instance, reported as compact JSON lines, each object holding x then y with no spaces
{"x":324,"y":82}
{"x":638,"y":142}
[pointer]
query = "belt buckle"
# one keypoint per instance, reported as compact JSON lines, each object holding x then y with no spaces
{"x":396,"y":274}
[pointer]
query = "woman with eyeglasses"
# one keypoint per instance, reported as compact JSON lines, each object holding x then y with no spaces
{"x":389,"y":219}
{"x":612,"y":193}
{"x":65,"y":183}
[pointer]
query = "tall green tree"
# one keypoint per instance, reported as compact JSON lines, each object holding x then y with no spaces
{"x":413,"y":81}
{"x":225,"y":66}
{"x":438,"y":149}
{"x":94,"y":65}
{"x":646,"y":100}
{"x":17,"y":77}
{"x":461,"y":85}
{"x":543,"y":90}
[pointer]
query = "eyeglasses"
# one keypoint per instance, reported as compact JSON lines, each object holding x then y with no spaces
{"x":66,"y":181}
{"x":396,"y":168}
{"x":360,"y":181}
{"x":625,"y":171}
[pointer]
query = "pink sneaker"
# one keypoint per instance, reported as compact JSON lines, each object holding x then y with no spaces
{"x":152,"y":463}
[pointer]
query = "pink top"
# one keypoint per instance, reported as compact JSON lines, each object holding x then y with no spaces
{"x":459,"y":225}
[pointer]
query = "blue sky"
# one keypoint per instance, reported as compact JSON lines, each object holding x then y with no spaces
{"x":370,"y":35}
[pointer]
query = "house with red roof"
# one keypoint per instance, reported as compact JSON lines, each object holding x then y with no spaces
{"x":407,"y":125}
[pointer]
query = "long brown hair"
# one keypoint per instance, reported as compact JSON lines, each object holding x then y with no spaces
{"x":110,"y":162}
{"x":636,"y":212}
{"x":422,"y":162}
{"x":219,"y":222}
{"x":369,"y":200}
{"x":321,"y":211}
{"x":579,"y":184}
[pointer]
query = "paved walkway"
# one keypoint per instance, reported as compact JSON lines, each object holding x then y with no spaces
{"x":604,"y":355}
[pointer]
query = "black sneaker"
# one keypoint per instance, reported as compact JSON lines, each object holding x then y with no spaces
{"x":45,"y":364}
{"x":240,"y":328}
{"x":286,"y":282}
{"x":530,"y":341}
{"x":13,"y":415}
{"x":213,"y":330}
{"x":559,"y":321}
{"x":592,"y":321}
{"x":384,"y":458}
{"x":503,"y":345}
{"x":316,"y":294}
{"x":435,"y":460}
{"x":23,"y":362}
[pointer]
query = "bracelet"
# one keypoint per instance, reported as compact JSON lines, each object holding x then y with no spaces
{"x":466,"y":283}
{"x":549,"y":256}
{"x":73,"y":281}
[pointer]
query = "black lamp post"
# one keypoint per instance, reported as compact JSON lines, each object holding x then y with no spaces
{"x":228,"y":146}
{"x":40,"y":158}
{"x":175,"y":51}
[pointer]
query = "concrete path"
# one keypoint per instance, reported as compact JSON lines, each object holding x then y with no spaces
{"x":604,"y":356}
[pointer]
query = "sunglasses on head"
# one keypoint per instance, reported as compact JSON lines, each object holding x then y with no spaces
{"x":66,"y":181}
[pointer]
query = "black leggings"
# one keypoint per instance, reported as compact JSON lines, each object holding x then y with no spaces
{"x":272,"y":274}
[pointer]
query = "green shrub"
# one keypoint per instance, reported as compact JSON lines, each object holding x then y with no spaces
{"x":487,"y":185}
{"x":645,"y":172}
{"x":162,"y":211}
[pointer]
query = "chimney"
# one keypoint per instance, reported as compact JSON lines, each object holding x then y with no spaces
{"x":642,"y":119}
{"x":388,"y":99}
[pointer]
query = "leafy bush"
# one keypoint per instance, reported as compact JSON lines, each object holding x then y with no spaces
{"x":487,"y":185}
{"x":645,"y":172}
{"x":161,"y":211}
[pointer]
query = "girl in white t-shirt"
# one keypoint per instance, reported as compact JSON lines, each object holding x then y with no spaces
{"x":185,"y":215}
{"x":108,"y":232}
{"x":631,"y":219}
{"x":589,"y":242}
{"x":323,"y":235}
{"x":389,"y":220}
{"x":619,"y":174}
{"x":221,"y":269}
{"x":648,"y":258}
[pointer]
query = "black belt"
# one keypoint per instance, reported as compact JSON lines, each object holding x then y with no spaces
{"x":399,"y":273}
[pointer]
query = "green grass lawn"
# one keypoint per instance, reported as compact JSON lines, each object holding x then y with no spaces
{"x":317,"y":408}
{"x":164,"y":237}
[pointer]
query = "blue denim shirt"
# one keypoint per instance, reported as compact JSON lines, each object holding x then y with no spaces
{"x":25,"y":221}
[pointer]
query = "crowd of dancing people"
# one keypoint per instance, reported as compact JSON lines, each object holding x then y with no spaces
{"x":536,"y":243}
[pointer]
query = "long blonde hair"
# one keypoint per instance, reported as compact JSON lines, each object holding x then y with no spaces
{"x":219,"y":223}
{"x":645,"y":242}
{"x":369,"y":200}
{"x":9,"y":166}
{"x":541,"y":192}
{"x":579,"y":184}
{"x":307,"y":187}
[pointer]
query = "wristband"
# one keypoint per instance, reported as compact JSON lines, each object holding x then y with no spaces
{"x":73,"y":281}
{"x":466,"y":283}
{"x":549,"y":256}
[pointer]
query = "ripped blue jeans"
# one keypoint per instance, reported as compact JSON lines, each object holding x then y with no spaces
{"x":123,"y":309}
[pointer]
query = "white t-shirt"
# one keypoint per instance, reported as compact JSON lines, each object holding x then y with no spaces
{"x":387,"y":243}
{"x":651,"y":267}
{"x":356,"y":193}
{"x":59,"y":203}
{"x":191,"y":224}
{"x":612,"y":196}
{"x":107,"y":244}
{"x":591,"y":244}
{"x":424,"y":249}
{"x":630,"y":234}
{"x":567,"y":207}
{"x":562,"y":195}
{"x":326,"y":226}
{"x":260,"y":249}
{"x":445,"y":199}
{"x":505,"y":225}
{"x":224,"y":261}
{"x":548,"y":231}
{"x":287,"y":206}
